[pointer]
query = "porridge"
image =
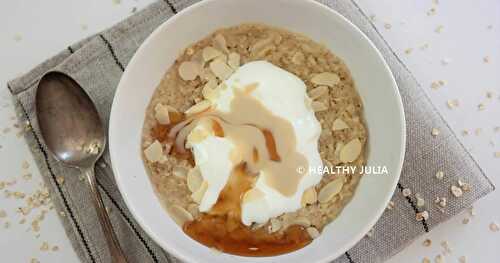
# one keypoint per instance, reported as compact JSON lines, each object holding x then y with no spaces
{"x":238,"y":133}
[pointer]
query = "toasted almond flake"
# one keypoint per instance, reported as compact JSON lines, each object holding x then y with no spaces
{"x":325,"y":79}
{"x":456,"y":191}
{"x":274,"y":225}
{"x":154,"y":153}
{"x":194,"y":179}
{"x":318,"y":92}
{"x":179,"y":215}
{"x":261,"y":44}
{"x":198,"y":195}
{"x":220,"y":43}
{"x":199,"y":107}
{"x":427,"y":243}
{"x":406,"y":192}
{"x":180,"y":171}
{"x":221,"y":69}
{"x":440,"y":175}
{"x":318,"y":106}
{"x":435,"y":132}
{"x":330,"y":190}
{"x":339,"y":124}
{"x":161,"y":114}
{"x":309,"y":197}
{"x":313,"y":232}
{"x":210,"y":53}
{"x":233,"y":60}
{"x":351,"y":151}
{"x":189,"y":70}
{"x":494,"y":227}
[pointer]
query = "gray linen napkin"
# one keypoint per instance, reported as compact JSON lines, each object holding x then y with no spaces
{"x":97,"y":64}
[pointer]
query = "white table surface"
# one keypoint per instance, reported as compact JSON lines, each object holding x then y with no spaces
{"x":31,"y":31}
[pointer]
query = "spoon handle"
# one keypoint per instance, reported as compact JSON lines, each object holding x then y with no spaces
{"x":111,"y":239}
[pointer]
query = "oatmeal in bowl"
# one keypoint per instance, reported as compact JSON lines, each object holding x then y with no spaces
{"x":254,"y":140}
{"x":227,"y":131}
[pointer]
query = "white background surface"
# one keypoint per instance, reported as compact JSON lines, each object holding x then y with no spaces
{"x":31,"y":31}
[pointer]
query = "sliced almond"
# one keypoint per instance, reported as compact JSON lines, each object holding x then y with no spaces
{"x":161,"y":114}
{"x":210,"y":53}
{"x":313,"y":232}
{"x":318,"y":92}
{"x":318,"y":106}
{"x":274,"y":225}
{"x":233,"y":60}
{"x":261,"y":44}
{"x":330,"y":190}
{"x":189,"y":70}
{"x":199,"y":107}
{"x":309,"y":197}
{"x":351,"y":151}
{"x":326,"y":79}
{"x":179,"y":215}
{"x":339,"y":124}
{"x":220,"y":43}
{"x":179,"y":171}
{"x":197,"y":136}
{"x":198,"y":195}
{"x":154,"y":152}
{"x":194,"y":179}
{"x":221,"y":69}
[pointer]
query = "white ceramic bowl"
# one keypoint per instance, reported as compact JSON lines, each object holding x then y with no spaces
{"x":375,"y":83}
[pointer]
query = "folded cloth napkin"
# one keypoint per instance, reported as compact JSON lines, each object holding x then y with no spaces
{"x":97,"y":64}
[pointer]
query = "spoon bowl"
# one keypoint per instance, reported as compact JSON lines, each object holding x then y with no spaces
{"x":69,"y":121}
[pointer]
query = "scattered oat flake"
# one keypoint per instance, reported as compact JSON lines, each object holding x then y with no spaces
{"x":435,"y":132}
{"x":439,"y":259}
{"x":390,"y":205}
{"x":465,"y":221}
{"x":465,"y":132}
{"x":427,"y":243}
{"x":426,"y":260}
{"x":6,"y":225}
{"x":486,"y":59}
{"x":424,"y":46}
{"x":34,"y":260}
{"x":373,"y":17}
{"x":462,"y":259}
{"x":387,"y":26}
{"x":472,"y":211}
{"x":445,"y":61}
{"x":406,"y":192}
{"x":478,"y":131}
{"x":452,"y":104}
{"x":497,"y":154}
{"x":494,"y":227}
{"x":408,"y":51}
{"x":18,"y":37}
{"x":439,"y":29}
{"x":456,"y":191}
{"x":44,"y":246}
{"x":55,"y":248}
{"x":431,"y":12}
{"x":60,"y":180}
{"x":117,"y":2}
{"x":446,"y":246}
{"x":481,"y":106}
{"x":3,"y":214}
{"x":424,"y":215}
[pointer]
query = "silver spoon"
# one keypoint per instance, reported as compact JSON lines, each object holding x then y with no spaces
{"x":71,"y":128}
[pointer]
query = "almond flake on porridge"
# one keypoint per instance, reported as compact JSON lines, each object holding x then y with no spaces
{"x":339,"y":124}
{"x":325,"y":79}
{"x":319,"y":106}
{"x":318,"y":92}
{"x":189,"y":70}
{"x":313,"y":232}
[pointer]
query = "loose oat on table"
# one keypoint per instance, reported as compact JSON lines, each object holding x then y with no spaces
{"x":456,"y":191}
{"x":462,"y":259}
{"x":439,"y":259}
{"x":446,"y":247}
{"x":327,"y":79}
{"x":426,"y":260}
{"x":427,"y":243}
{"x":435,"y":132}
{"x":406,"y":192}
{"x":494,"y":227}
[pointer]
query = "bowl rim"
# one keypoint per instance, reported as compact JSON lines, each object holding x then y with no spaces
{"x":378,"y":212}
